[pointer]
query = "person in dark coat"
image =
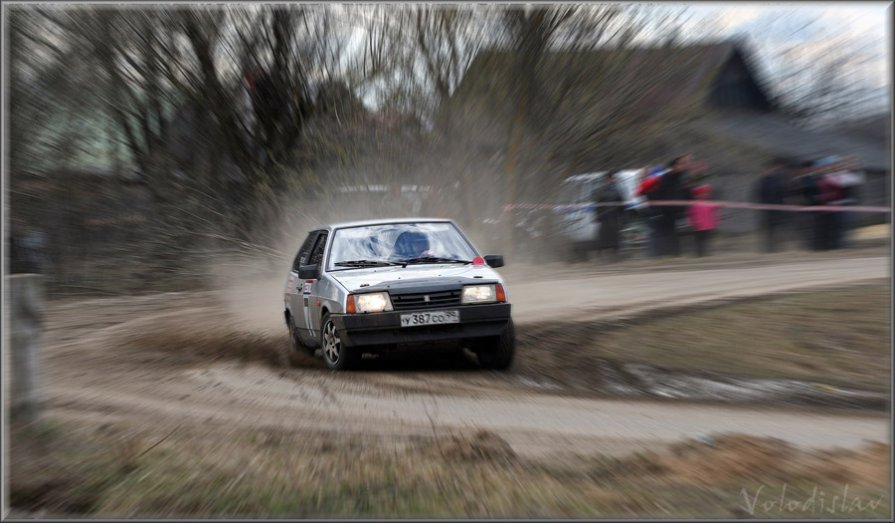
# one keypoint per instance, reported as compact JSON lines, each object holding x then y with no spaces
{"x":850,"y":180}
{"x":809,"y":192}
{"x":830,"y":194}
{"x":772,"y":189}
{"x":608,"y":199}
{"x":672,"y":186}
{"x":646,"y":189}
{"x":27,"y":253}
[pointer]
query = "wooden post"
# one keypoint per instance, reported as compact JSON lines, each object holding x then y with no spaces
{"x":25,"y":306}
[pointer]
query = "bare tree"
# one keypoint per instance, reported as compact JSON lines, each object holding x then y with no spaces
{"x":826,"y":81}
{"x":244,"y":73}
{"x":45,"y":75}
{"x":566,"y":98}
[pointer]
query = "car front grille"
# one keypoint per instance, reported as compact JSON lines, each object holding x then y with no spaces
{"x":404,"y":302}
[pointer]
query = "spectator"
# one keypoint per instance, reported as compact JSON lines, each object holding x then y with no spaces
{"x":807,"y":188}
{"x":703,"y":218}
{"x":772,"y":190}
{"x":608,"y":200}
{"x":830,"y":194}
{"x":28,"y":253}
{"x":647,"y":189}
{"x":793,"y":197}
{"x":849,"y":178}
{"x":672,"y":186}
{"x":851,"y":181}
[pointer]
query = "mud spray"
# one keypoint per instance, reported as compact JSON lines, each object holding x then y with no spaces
{"x":251,"y":284}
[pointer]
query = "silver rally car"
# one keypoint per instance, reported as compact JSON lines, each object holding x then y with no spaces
{"x":381,"y":285}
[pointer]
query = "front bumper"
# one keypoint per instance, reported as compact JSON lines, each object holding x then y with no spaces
{"x":384,"y":328}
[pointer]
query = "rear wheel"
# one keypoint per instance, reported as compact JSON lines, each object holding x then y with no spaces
{"x":287,"y":352}
{"x":498,"y":353}
{"x":337,"y":355}
{"x":299,"y":342}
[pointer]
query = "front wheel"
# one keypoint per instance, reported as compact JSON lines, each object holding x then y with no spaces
{"x":499,"y":353}
{"x":336,"y":355}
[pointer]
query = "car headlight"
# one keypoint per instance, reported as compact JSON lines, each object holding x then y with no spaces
{"x":373,"y":302}
{"x":479,"y":294}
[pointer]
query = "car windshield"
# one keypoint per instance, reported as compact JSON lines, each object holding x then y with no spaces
{"x":398,"y":243}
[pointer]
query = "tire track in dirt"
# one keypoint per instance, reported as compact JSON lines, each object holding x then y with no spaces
{"x":157,"y":360}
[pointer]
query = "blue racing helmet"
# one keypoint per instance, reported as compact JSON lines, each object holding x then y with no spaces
{"x":411,"y":244}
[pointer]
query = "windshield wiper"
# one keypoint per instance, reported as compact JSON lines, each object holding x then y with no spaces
{"x":365,"y":263}
{"x":433,"y":259}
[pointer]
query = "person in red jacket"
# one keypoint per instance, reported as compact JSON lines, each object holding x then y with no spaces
{"x":703,"y":218}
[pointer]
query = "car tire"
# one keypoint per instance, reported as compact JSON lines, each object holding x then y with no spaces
{"x":287,"y":352}
{"x":499,"y":354}
{"x":336,"y":354}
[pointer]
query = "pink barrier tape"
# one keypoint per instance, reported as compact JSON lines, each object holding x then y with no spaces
{"x":722,"y":204}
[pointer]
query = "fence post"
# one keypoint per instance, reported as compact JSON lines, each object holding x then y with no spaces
{"x":25,"y":307}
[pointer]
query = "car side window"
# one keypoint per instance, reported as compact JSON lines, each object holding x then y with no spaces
{"x":304,"y":251}
{"x":317,"y":252}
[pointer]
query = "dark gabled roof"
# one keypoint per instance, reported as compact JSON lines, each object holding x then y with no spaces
{"x":775,"y":135}
{"x":656,"y":79}
{"x":876,"y":128}
{"x":663,"y":85}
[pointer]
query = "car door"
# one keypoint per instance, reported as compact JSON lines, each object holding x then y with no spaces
{"x":578,"y":223}
{"x":295,"y":287}
{"x":311,"y":288}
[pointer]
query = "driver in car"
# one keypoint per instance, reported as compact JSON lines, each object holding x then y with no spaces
{"x":411,"y":244}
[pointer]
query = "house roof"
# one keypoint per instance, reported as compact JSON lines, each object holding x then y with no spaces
{"x":653,"y":78}
{"x":874,"y":128}
{"x":644,"y":90}
{"x":774,"y":134}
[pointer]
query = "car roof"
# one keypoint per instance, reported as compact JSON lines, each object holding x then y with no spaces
{"x":384,"y":221}
{"x":382,"y":188}
{"x":590,"y":176}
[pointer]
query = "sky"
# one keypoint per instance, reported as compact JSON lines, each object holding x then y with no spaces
{"x":808,"y":27}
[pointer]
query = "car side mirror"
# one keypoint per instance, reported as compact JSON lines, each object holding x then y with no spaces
{"x":494,"y":261}
{"x":308,"y":272}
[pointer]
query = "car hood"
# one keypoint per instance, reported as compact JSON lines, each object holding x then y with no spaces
{"x":352,"y":279}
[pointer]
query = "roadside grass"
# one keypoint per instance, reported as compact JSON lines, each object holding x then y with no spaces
{"x":268,"y":473}
{"x":838,"y":337}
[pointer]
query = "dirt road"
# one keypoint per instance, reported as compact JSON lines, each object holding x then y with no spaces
{"x":541,"y":299}
{"x":162,"y":360}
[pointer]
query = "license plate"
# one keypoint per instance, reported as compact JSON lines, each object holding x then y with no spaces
{"x":430,"y":318}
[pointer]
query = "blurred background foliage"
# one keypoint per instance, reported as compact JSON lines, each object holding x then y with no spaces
{"x":146,"y":139}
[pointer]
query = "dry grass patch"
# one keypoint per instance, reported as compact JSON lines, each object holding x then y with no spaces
{"x":275,"y":473}
{"x":838,"y":337}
